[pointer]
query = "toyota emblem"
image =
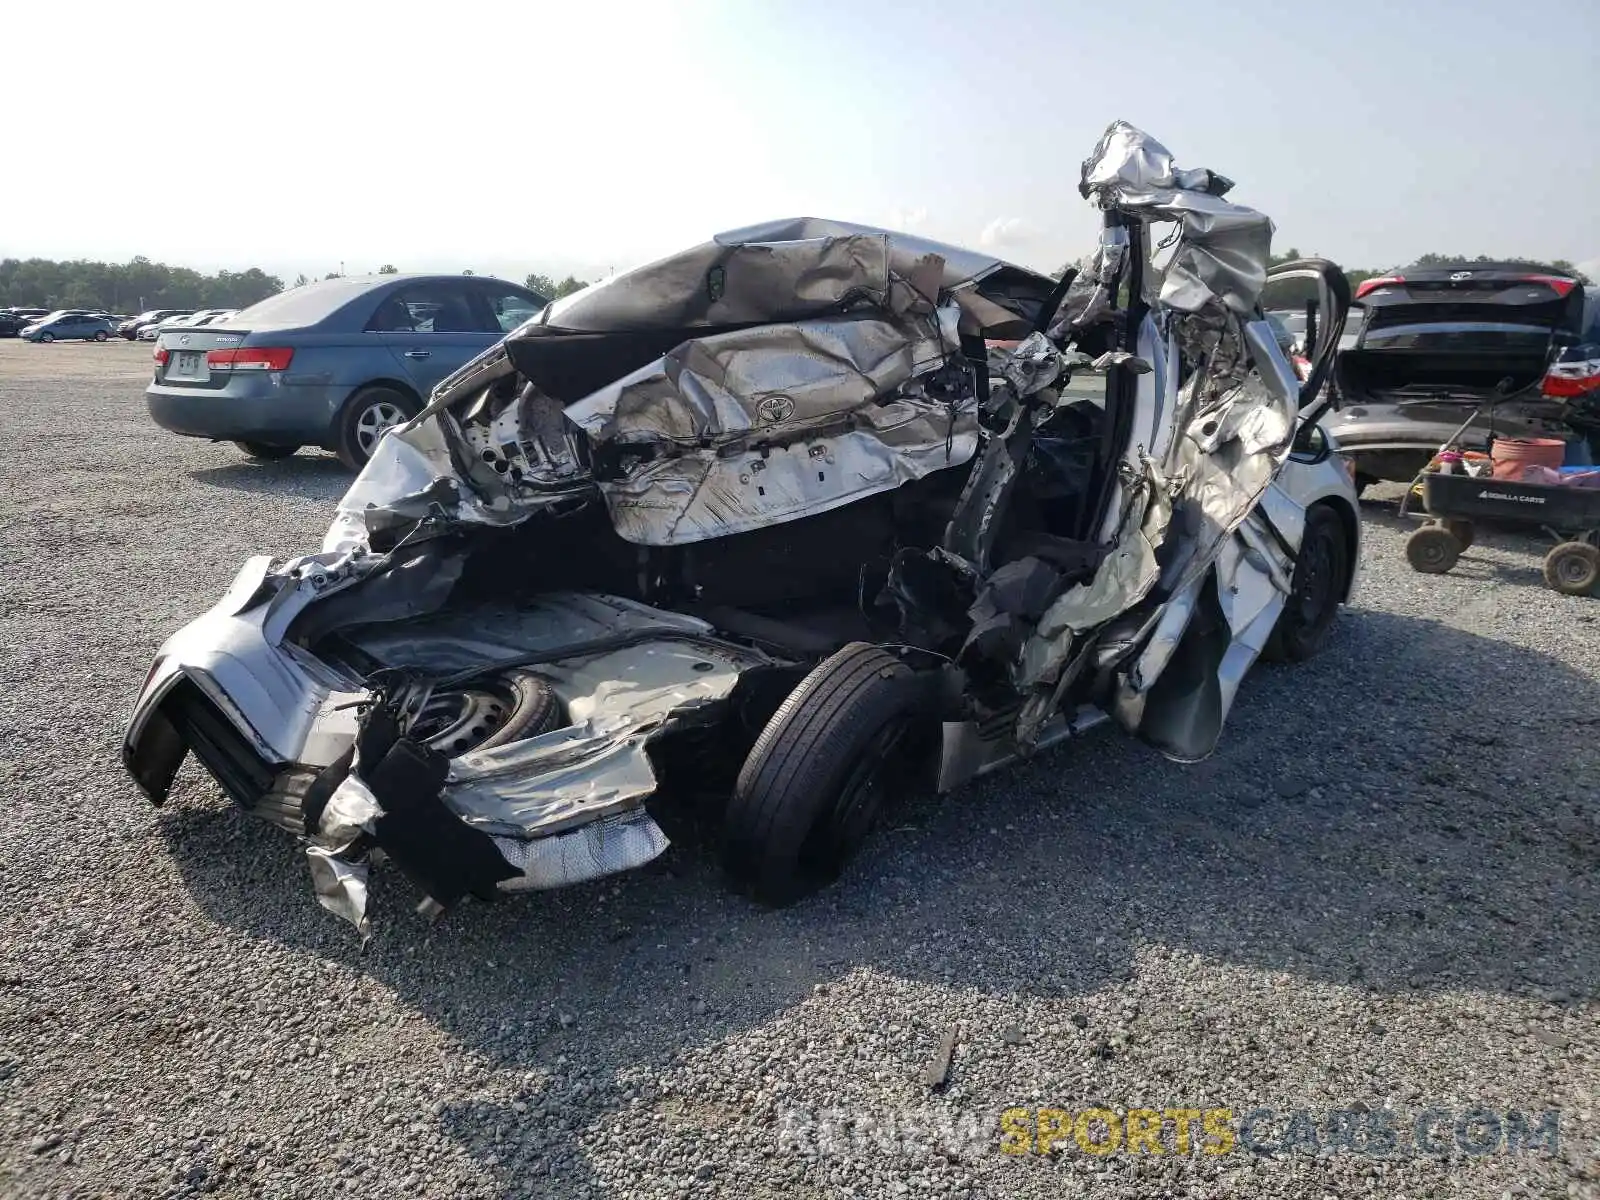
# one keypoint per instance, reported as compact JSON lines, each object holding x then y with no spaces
{"x":775,"y":408}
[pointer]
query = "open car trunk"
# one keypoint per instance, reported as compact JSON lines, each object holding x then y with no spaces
{"x":1468,"y":376}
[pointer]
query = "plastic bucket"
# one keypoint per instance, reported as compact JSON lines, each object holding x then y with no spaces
{"x":1513,"y":455}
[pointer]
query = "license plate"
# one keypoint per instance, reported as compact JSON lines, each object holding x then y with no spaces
{"x":188,"y":364}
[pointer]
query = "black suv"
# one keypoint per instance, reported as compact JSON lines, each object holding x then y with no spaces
{"x":1512,"y":342}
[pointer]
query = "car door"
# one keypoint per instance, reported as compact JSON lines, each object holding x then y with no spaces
{"x":431,"y":328}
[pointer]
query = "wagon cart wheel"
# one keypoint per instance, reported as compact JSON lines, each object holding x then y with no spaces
{"x":1462,"y":531}
{"x":1433,"y":550}
{"x":851,"y":735}
{"x":1573,"y":568}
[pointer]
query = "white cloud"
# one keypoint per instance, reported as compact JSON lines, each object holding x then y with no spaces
{"x":1591,"y":267}
{"x":907,"y":220}
{"x":1007,"y":233}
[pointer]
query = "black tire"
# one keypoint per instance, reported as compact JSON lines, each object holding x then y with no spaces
{"x":47,"y":337}
{"x":354,"y":425}
{"x":1463,"y":531}
{"x":100,"y":335}
{"x":1432,"y":550}
{"x":1321,"y":570}
{"x":821,"y":770}
{"x":489,"y":713}
{"x":1573,"y":568}
{"x":265,"y":452}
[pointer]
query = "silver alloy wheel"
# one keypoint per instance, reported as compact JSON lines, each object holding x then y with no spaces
{"x":375,"y":421}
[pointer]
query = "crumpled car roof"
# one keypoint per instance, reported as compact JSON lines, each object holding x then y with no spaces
{"x":789,"y":269}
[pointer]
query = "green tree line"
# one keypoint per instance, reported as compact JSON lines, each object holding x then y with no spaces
{"x":553,"y":289}
{"x":128,"y":287}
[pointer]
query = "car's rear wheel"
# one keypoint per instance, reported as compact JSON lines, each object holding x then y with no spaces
{"x":366,"y":418}
{"x":1321,"y":568}
{"x":851,"y":735}
{"x":100,"y":335}
{"x":265,"y":452}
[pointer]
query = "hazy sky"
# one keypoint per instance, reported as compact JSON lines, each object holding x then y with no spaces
{"x":505,"y":137}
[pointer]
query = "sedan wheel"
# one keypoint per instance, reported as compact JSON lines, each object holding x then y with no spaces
{"x":366,"y":419}
{"x":847,"y":739}
{"x":100,"y":335}
{"x":1321,"y":568}
{"x":47,"y":337}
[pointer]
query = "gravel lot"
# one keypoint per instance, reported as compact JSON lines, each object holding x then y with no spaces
{"x":1382,"y":890}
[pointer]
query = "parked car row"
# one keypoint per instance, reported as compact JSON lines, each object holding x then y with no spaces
{"x":43,"y":325}
{"x":131,"y":328}
{"x":84,"y":323}
{"x":193,"y":320}
{"x":66,"y":326}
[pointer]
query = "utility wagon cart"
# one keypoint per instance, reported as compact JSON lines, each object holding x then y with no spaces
{"x":1569,"y":515}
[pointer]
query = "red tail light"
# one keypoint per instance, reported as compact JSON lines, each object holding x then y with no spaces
{"x":1565,"y":380}
{"x":250,"y":358}
{"x":160,"y":355}
{"x":1558,"y":284}
{"x":1372,"y":285}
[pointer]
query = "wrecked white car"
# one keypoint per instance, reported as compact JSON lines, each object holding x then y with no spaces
{"x":799,"y":517}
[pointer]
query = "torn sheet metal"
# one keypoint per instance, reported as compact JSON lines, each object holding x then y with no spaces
{"x":340,"y":886}
{"x":1221,"y":257}
{"x":1034,"y":364}
{"x":599,"y":764}
{"x":763,"y":425}
{"x":1252,"y":576}
{"x":351,"y":811}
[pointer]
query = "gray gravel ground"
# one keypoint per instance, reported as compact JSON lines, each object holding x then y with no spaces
{"x":1381,"y":893}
